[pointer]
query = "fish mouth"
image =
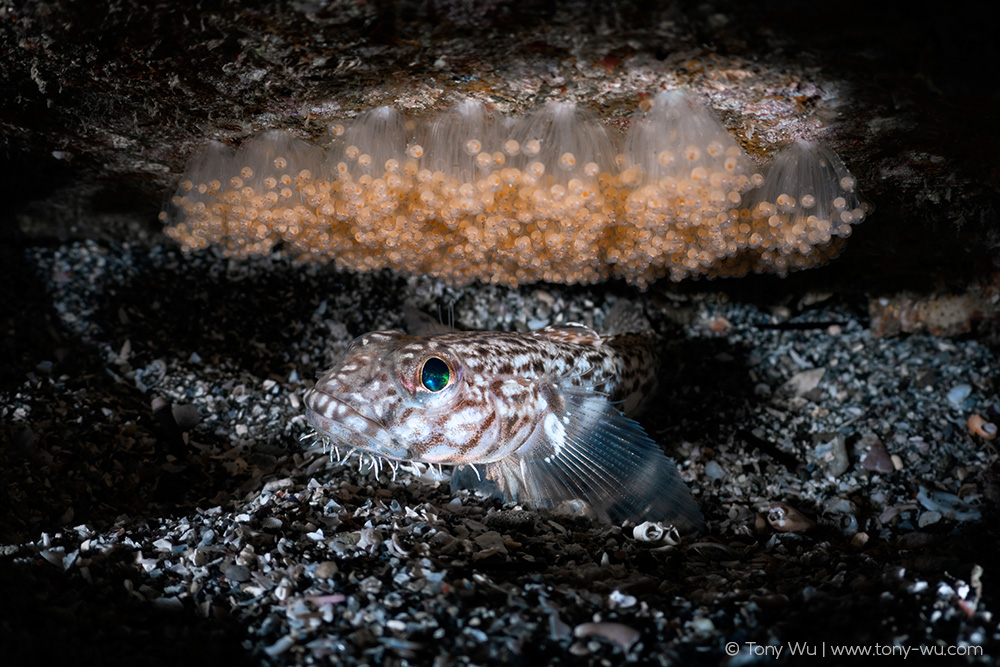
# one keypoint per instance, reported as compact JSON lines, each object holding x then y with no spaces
{"x":344,"y":424}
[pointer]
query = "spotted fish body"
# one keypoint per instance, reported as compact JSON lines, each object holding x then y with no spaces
{"x":534,"y":417}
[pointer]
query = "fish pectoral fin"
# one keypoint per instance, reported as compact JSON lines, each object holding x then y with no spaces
{"x":595,"y":454}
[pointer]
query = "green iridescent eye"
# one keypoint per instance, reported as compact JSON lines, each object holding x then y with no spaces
{"x":434,"y":374}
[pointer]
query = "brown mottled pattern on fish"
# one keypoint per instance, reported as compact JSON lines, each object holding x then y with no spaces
{"x":539,"y":415}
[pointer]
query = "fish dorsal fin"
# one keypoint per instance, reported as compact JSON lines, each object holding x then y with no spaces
{"x":626,"y":317}
{"x":419,"y":323}
{"x":571,"y":332}
{"x":593,"y":453}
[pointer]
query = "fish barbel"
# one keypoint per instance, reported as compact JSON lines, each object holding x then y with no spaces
{"x":535,"y":417}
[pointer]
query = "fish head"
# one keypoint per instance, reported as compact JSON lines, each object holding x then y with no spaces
{"x":391,"y":395}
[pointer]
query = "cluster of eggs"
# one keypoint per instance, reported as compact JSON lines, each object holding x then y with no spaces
{"x":551,"y":196}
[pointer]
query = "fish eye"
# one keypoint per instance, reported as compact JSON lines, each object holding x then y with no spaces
{"x":435,"y":373}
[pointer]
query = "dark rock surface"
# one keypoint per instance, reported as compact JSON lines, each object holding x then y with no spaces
{"x":103,"y":106}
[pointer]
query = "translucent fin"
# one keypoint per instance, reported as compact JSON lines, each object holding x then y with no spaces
{"x":626,"y":317}
{"x":419,"y":323}
{"x":593,"y":453}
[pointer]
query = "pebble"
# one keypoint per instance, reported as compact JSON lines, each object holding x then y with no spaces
{"x":714,"y":471}
{"x":655,"y":531}
{"x":620,"y":634}
{"x":928,"y":518}
{"x":702,"y":625}
{"x":830,"y":455}
{"x":958,"y":394}
{"x":877,"y":459}
{"x":947,"y":504}
{"x":490,"y":544}
{"x":326,"y":569}
{"x":804,"y":382}
{"x":980,"y":427}
{"x":619,"y":600}
{"x":237,"y":573}
{"x":786,"y":519}
{"x":280,"y":646}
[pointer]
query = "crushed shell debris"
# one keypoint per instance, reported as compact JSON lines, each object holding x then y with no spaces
{"x":287,"y":557}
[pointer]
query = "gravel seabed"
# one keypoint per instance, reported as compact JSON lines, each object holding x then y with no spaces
{"x":162,"y":500}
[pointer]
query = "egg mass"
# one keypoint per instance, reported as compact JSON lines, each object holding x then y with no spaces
{"x":550,"y":196}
